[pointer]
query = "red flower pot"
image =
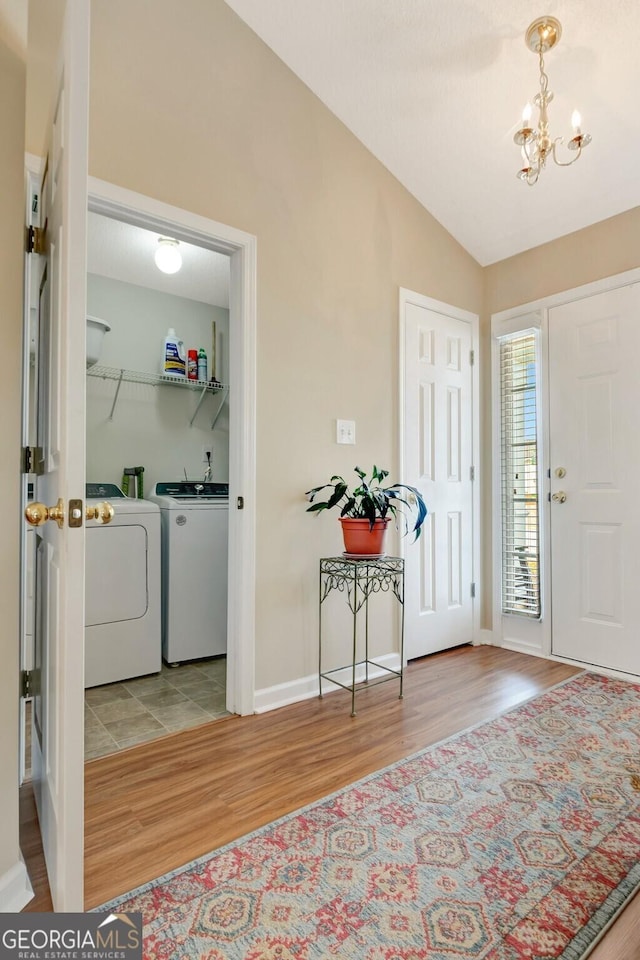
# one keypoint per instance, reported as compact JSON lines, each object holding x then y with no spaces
{"x":359,"y":538}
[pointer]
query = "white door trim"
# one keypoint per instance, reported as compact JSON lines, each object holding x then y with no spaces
{"x":527,"y":635}
{"x":409,"y":296}
{"x":119,"y":203}
{"x":502,"y":322}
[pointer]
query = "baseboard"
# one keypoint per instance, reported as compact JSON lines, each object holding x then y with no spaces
{"x":486,"y":638}
{"x":518,"y":646}
{"x":283,"y":694}
{"x":15,"y":888}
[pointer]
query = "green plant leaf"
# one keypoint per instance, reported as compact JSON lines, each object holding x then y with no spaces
{"x":316,"y":507}
{"x":348,"y":508}
{"x":338,"y":494}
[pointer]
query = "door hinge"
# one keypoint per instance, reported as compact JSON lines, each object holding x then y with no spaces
{"x":35,"y":240}
{"x":472,"y":473}
{"x":240,"y":503}
{"x":472,"y":357}
{"x":29,"y":683}
{"x":473,"y":590}
{"x":32,"y":460}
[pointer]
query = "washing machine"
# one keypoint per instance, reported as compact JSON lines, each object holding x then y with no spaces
{"x":195,"y":522}
{"x":122,"y":589}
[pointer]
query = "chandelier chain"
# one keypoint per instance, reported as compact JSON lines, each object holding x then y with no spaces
{"x":544,"y":79}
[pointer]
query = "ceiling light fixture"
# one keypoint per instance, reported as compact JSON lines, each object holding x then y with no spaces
{"x":536,"y":144}
{"x":167,"y":256}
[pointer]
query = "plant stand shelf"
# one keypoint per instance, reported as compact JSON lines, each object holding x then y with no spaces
{"x":357,"y":579}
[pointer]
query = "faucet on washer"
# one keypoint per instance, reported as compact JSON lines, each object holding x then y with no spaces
{"x":207,"y":473}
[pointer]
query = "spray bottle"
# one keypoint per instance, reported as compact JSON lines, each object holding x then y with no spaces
{"x":202,"y":365}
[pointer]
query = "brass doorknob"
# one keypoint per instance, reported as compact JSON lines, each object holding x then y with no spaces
{"x":100,"y":512}
{"x":559,"y":497}
{"x":38,"y":513}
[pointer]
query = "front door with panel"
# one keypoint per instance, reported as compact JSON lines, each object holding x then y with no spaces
{"x":438,"y":448}
{"x":57,"y":735}
{"x":594,"y":345}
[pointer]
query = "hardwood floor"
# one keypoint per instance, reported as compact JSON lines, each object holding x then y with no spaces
{"x":155,"y":807}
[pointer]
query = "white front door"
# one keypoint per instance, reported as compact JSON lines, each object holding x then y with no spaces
{"x":594,"y":401}
{"x":438,"y":460}
{"x":57,"y":743}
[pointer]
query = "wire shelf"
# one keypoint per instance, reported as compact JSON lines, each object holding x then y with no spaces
{"x":151,"y":379}
{"x":120,"y":376}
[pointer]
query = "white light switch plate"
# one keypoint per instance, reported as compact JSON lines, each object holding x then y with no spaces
{"x":345,"y":431}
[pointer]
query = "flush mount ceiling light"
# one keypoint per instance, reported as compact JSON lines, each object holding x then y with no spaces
{"x":536,"y":144}
{"x":167,"y":256}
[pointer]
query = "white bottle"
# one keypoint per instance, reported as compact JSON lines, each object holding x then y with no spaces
{"x":202,"y":365}
{"x":174,"y":361}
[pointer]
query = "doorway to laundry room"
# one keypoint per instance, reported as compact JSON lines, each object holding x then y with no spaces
{"x":197,"y":434}
{"x":157,"y":449}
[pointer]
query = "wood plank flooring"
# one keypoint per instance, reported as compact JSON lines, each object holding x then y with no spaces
{"x":155,"y":807}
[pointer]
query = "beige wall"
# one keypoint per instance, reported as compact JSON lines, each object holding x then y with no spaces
{"x":12,"y":105}
{"x":189,"y":107}
{"x":609,"y":247}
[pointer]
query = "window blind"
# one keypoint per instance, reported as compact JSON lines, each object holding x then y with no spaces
{"x":519,"y":476}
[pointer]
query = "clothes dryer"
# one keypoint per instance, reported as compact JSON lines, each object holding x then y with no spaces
{"x":122,"y":589}
{"x":195,"y":524}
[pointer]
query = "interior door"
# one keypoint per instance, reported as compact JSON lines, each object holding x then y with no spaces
{"x":57,"y":735}
{"x":594,"y":346}
{"x":438,"y":449}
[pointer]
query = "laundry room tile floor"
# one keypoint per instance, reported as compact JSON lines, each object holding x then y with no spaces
{"x":120,"y":715}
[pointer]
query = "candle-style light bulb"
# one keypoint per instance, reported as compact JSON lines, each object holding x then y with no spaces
{"x":576,"y":120}
{"x":526,"y":116}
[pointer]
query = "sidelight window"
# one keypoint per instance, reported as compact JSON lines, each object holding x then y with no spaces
{"x":519,"y":474}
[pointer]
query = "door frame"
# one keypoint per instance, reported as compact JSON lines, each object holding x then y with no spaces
{"x":535,"y":313}
{"x":118,"y":203}
{"x":456,"y":313}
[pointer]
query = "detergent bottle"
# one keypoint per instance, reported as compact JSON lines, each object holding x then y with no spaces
{"x":173,"y":356}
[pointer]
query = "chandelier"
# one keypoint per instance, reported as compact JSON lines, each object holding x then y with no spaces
{"x":535,"y":143}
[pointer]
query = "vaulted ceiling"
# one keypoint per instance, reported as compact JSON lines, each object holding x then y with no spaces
{"x":435,"y":89}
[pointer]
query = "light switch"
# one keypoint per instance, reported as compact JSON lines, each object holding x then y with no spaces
{"x":345,"y":431}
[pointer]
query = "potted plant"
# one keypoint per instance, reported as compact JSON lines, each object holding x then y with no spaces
{"x":365,"y":511}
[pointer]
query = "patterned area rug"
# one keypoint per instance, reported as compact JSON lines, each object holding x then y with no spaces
{"x":517,"y":839}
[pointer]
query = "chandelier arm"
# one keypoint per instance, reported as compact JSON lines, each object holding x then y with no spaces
{"x":531,"y":171}
{"x":564,"y":163}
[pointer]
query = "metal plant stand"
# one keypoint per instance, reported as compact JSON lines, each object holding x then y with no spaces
{"x":357,"y":579}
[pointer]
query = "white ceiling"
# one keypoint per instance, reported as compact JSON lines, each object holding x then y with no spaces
{"x":435,"y":89}
{"x":124,"y":252}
